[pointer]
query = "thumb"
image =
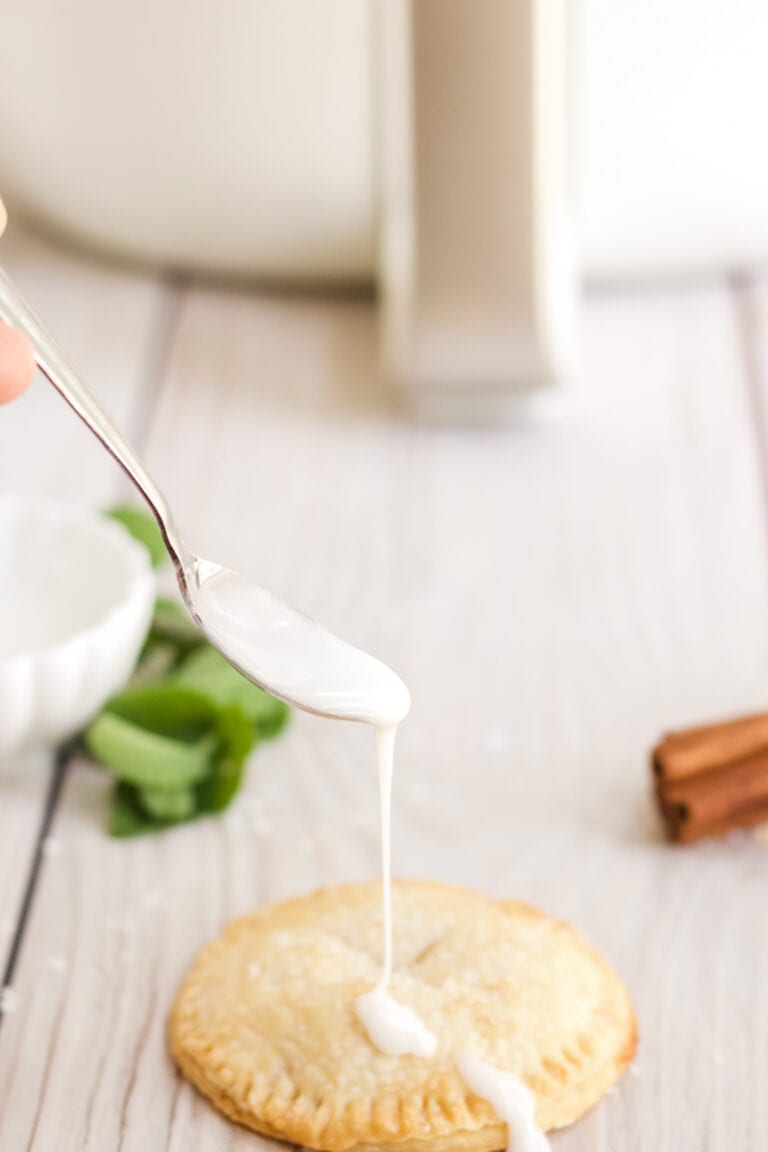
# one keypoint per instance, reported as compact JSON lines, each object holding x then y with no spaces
{"x":17,"y":363}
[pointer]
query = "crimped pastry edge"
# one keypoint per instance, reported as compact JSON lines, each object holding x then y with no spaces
{"x":326,"y":1131}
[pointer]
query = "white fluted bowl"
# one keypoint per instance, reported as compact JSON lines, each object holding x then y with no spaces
{"x":76,"y":596}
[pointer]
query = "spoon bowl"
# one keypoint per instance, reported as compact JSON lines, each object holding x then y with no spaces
{"x":288,"y":653}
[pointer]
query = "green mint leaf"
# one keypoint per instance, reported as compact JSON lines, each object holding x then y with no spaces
{"x":174,"y":751}
{"x":272,"y":720}
{"x":145,"y":759}
{"x":157,"y":661}
{"x":207,"y":671}
{"x":143,"y":528}
{"x":172,"y":805}
{"x":173,"y":624}
{"x":177,"y":739}
{"x":130,"y":814}
{"x":166,"y":709}
{"x":126,"y":817}
{"x":236,"y":740}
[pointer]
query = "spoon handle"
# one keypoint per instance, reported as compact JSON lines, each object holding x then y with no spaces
{"x":61,"y":373}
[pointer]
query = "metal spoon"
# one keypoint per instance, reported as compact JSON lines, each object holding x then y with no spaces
{"x":274,"y":645}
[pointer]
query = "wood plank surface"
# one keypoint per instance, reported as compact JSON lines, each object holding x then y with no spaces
{"x":751,"y":310}
{"x":106,"y":321}
{"x":554,"y":594}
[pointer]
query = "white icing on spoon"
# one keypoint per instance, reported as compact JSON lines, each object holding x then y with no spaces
{"x":510,"y":1099}
{"x":291,"y":655}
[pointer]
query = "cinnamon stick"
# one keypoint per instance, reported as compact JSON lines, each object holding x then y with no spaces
{"x":714,"y":778}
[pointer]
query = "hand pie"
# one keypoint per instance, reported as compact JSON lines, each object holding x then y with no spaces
{"x":265,"y":1025}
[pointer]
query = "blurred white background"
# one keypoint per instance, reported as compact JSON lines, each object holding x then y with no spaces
{"x":246,"y":135}
{"x":476,"y":159}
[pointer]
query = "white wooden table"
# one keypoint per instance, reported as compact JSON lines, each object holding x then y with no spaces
{"x":555,"y":595}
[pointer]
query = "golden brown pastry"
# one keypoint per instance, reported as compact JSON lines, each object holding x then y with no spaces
{"x":265,"y":1023}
